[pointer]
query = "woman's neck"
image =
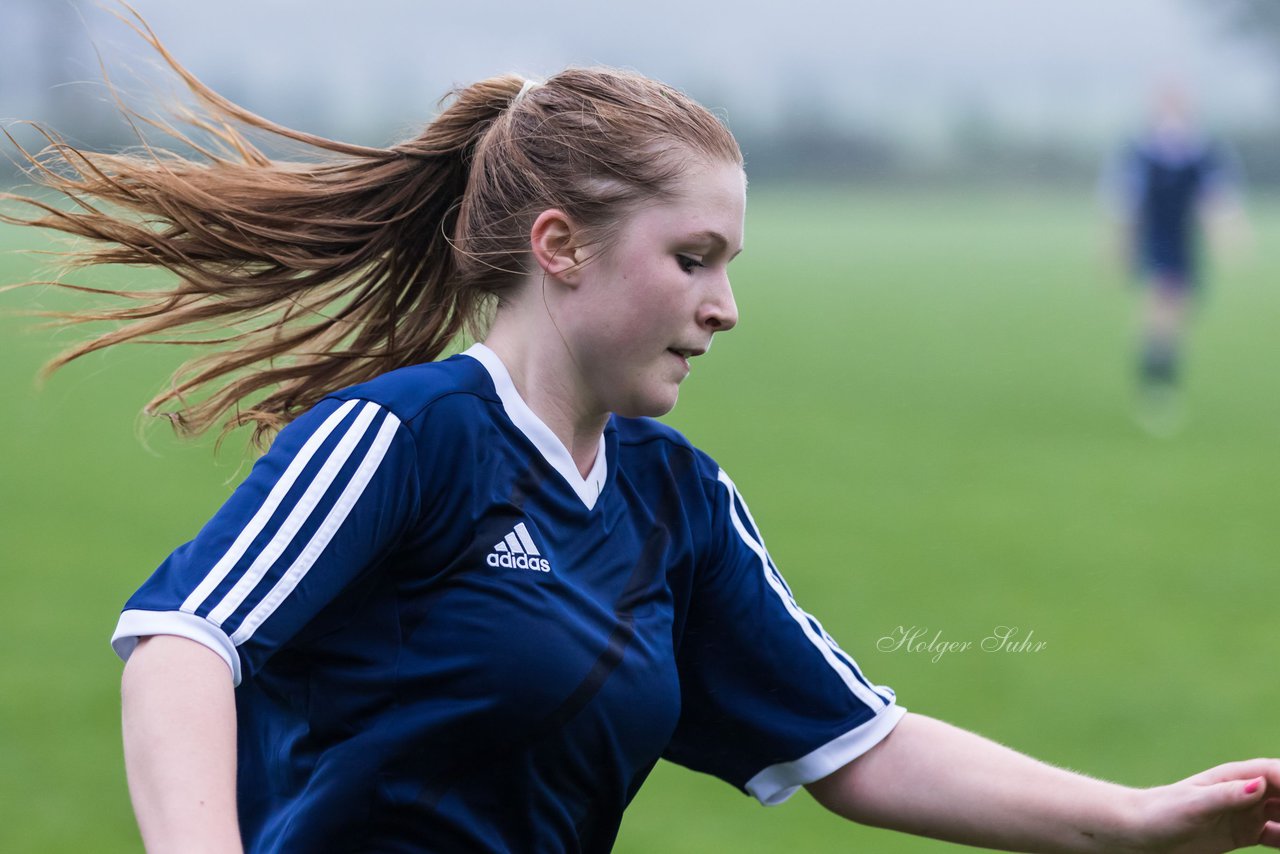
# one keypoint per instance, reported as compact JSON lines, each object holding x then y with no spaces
{"x":544,"y":374}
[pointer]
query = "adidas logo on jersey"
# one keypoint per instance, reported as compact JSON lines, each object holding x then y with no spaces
{"x":516,"y":550}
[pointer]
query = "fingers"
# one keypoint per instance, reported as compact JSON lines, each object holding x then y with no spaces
{"x":1229,"y":796}
{"x":1243,"y":770}
{"x":1270,"y":835}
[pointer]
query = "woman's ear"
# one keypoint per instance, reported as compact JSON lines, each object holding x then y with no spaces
{"x":554,"y":242}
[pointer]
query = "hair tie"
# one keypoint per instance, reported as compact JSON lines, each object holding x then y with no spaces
{"x":528,"y":85}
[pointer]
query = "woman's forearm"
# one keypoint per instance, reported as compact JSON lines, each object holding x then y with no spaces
{"x":180,"y":746}
{"x":933,"y":779}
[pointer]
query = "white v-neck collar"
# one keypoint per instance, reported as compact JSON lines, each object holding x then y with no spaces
{"x":548,"y":444}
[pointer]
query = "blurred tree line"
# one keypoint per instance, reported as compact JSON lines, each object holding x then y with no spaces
{"x":47,"y":72}
{"x":1256,"y":22}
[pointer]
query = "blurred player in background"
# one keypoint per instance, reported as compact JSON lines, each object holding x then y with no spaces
{"x":1167,"y":187}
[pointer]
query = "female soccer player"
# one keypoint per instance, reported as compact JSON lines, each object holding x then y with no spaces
{"x":1164,"y":188}
{"x":465,"y":605}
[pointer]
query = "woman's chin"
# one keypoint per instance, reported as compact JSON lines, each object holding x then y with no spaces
{"x":650,"y":406}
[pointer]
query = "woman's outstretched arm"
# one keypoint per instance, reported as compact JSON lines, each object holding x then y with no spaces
{"x":180,"y":746}
{"x":932,"y":779}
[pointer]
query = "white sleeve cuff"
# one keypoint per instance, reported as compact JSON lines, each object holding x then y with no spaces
{"x":134,"y":625}
{"x":778,"y":782}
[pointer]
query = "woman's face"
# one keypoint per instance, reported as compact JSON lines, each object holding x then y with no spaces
{"x":652,"y":299}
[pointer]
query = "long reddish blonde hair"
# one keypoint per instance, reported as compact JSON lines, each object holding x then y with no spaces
{"x":317,"y":273}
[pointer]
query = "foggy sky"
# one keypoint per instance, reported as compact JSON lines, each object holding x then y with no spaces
{"x":1078,"y":69}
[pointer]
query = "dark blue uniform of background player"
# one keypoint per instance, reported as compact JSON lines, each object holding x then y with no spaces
{"x":1163,"y":186}
{"x":1169,"y":181}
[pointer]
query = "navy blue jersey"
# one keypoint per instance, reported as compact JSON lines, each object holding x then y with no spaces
{"x":1165,"y":180}
{"x":444,"y":638}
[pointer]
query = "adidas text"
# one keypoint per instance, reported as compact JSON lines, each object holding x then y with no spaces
{"x":541,"y":564}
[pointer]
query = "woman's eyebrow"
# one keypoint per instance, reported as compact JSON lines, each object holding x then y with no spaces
{"x":717,"y":238}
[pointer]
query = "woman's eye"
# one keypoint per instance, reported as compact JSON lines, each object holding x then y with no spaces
{"x":687,"y":264}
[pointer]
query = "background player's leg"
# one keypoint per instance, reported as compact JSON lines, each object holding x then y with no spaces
{"x":1159,"y":365}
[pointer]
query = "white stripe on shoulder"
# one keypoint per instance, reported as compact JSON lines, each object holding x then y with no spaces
{"x":297,"y":517}
{"x":885,"y":692}
{"x":855,"y":685}
{"x":269,"y":506}
{"x":337,"y":514}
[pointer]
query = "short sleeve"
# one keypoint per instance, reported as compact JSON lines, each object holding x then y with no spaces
{"x":326,"y":502}
{"x":769,"y":700}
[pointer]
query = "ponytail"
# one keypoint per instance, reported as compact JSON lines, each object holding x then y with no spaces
{"x":323,"y":274}
{"x":318,"y":275}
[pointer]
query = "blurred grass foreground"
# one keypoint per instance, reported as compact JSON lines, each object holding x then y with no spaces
{"x":928,"y":405}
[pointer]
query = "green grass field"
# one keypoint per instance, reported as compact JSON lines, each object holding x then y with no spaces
{"x":927,"y":404}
